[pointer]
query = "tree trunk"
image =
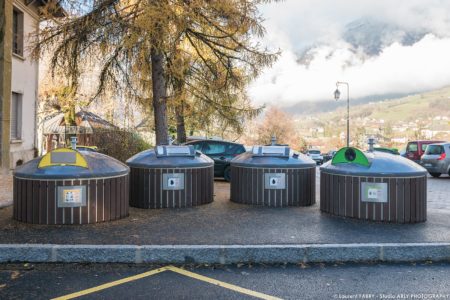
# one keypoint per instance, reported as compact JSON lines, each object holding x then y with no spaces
{"x":159,"y":97}
{"x":181,"y":129}
{"x":70,"y":121}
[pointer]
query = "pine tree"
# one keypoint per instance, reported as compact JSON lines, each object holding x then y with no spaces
{"x":135,"y":42}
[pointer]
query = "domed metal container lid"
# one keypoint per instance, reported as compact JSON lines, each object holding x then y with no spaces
{"x":273,"y":157}
{"x":352,"y":161}
{"x":66,"y":163}
{"x":170,"y":157}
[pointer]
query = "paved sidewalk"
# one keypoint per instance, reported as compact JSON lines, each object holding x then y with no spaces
{"x":6,"y":190}
{"x":225,"y":223}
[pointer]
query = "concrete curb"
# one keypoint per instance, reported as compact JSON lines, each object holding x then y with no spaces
{"x":225,"y":254}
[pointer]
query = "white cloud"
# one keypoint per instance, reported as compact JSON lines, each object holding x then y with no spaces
{"x":308,"y":21}
{"x":296,"y":25}
{"x":398,"y":69}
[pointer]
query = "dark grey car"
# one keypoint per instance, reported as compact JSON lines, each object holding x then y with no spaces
{"x":222,"y":152}
{"x":436,"y":159}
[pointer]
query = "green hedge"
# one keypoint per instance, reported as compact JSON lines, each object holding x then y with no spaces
{"x":120,"y":144}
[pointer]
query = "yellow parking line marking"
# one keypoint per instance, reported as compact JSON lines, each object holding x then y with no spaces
{"x":222,"y":284}
{"x":111,"y":284}
{"x":173,"y":269}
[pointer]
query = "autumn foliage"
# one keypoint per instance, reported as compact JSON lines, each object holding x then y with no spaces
{"x":275,"y":123}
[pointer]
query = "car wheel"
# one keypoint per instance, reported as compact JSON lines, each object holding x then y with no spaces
{"x":227,"y":174}
{"x":436,"y":175}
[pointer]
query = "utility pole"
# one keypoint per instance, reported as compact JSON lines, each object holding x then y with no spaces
{"x":337,"y":94}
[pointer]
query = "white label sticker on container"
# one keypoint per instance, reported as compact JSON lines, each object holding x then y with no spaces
{"x":374,"y":192}
{"x":275,"y":181}
{"x":71,"y":196}
{"x":173,"y":181}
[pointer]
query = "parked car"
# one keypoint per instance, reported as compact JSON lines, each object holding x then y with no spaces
{"x":315,"y":155}
{"x":87,"y":148}
{"x":437,"y":159}
{"x":387,"y":150}
{"x":329,"y":156}
{"x":222,"y":152}
{"x":415,"y":149}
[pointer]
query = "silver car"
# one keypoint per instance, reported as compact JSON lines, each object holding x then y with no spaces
{"x":316,"y":156}
{"x":436,"y":159}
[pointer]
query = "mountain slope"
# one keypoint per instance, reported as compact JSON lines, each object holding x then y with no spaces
{"x":408,"y":108}
{"x":392,"y":122}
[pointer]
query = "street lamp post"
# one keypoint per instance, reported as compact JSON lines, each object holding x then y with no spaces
{"x":337,"y":94}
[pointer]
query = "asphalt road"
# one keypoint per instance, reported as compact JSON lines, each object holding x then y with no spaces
{"x":377,"y":281}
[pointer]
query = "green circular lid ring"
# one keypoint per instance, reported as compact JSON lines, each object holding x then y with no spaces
{"x":350,"y":155}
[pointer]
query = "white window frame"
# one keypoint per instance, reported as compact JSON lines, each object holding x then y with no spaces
{"x":16,"y":116}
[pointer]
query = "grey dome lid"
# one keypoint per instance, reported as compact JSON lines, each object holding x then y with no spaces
{"x":381,"y":164}
{"x":273,"y":157}
{"x":168,"y":157}
{"x":99,"y":165}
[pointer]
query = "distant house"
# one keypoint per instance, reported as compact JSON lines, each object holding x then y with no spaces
{"x":317,"y":131}
{"x":399,"y":140}
{"x":146,"y":130}
{"x":55,"y":130}
{"x":19,"y":81}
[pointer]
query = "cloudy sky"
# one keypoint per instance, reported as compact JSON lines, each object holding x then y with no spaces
{"x":378,"y":46}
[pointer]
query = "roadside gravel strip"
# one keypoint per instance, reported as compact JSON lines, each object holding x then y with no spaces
{"x":225,"y":254}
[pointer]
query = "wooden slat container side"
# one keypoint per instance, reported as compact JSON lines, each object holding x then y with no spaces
{"x":36,"y":201}
{"x":407,"y":198}
{"x":146,"y":188}
{"x":323,"y":204}
{"x":67,"y":212}
{"x":132,"y":190}
{"x":247,"y":187}
{"x":43,"y":202}
{"x":312,"y":175}
{"x":15,"y":203}
{"x":77,"y":210}
{"x":59,"y":211}
{"x":125,"y":198}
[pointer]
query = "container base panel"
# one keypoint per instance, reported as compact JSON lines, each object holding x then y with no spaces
{"x":390,"y":199}
{"x":171,"y":188}
{"x":66,"y":202}
{"x":273,"y":187}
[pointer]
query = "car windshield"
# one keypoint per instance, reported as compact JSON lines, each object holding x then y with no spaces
{"x":314,"y":152}
{"x":214,"y":148}
{"x":434,"y":149}
{"x":197,"y":146}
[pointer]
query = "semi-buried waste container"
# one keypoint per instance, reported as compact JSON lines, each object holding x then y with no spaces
{"x":373,"y":186}
{"x":67,"y":186}
{"x":273,"y":176}
{"x":171,"y":177}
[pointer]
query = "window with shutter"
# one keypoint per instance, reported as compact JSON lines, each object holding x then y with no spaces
{"x":17,"y":32}
{"x":16,"y":116}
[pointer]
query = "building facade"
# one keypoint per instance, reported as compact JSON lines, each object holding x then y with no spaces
{"x":19,"y":82}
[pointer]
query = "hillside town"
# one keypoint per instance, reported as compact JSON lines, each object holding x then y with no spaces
{"x":394,"y":134}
